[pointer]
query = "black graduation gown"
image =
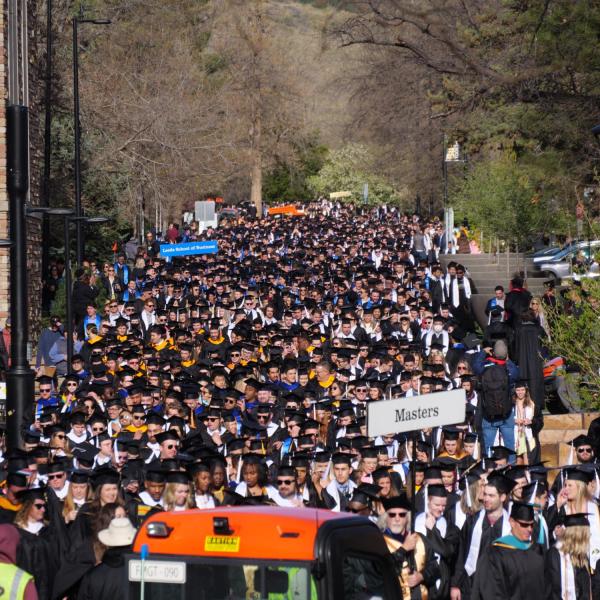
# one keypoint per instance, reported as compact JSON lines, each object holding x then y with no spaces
{"x":447,"y":549}
{"x":460,"y":578}
{"x":106,"y":581}
{"x":78,"y":557}
{"x":527,"y":355}
{"x":37,"y":554}
{"x":430,"y":572}
{"x":505,"y":573}
{"x":583,"y":579}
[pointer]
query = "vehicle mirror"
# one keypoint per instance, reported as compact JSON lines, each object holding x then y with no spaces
{"x":276,"y":582}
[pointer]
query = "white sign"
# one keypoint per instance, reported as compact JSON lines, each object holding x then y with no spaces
{"x":453,"y":153}
{"x":158,"y":571}
{"x":335,"y":195}
{"x":205,"y":214}
{"x":417,"y":412}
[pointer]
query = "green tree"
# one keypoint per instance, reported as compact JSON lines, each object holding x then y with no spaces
{"x":575,"y":335}
{"x":508,"y":199}
{"x":287,"y":181}
{"x":348,"y":169}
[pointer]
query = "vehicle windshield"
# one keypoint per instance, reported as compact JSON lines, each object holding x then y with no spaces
{"x":213,"y":579}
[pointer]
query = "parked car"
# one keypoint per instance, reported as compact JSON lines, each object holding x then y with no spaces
{"x":561,"y":268}
{"x":563,"y":253}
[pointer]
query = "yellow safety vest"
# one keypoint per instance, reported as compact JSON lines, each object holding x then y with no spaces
{"x":13,"y":582}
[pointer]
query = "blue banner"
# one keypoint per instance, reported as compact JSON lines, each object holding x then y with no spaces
{"x":189,"y":248}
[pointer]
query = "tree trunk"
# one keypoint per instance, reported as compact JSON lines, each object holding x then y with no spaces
{"x":256,"y":189}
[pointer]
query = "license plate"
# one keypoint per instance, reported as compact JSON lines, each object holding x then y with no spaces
{"x":221,"y":543}
{"x":158,"y":571}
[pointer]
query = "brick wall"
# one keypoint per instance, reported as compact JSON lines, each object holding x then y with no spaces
{"x":36,"y":88}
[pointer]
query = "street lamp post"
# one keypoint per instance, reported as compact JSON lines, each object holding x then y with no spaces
{"x":77,"y":130}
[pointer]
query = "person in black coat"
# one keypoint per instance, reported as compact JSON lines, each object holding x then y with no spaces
{"x":527,"y":355}
{"x":567,"y":569}
{"x":517,"y":300}
{"x":84,"y":293}
{"x":512,"y":567}
{"x":107,"y":581}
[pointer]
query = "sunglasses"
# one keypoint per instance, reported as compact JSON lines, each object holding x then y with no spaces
{"x":363,"y":390}
{"x":171,"y":446}
{"x":72,"y":384}
{"x":285,"y":481}
{"x":98,"y":429}
{"x":56,"y":476}
{"x":582,"y":450}
{"x":526,"y":524}
{"x":138,"y":417}
{"x":394,"y":515}
{"x":45,"y":389}
{"x":40,"y":506}
{"x":60,"y":436}
{"x":355,"y":510}
{"x":213,"y":418}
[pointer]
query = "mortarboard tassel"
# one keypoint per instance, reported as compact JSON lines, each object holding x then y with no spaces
{"x":239,"y":470}
{"x":533,"y":494}
{"x":571,"y":453}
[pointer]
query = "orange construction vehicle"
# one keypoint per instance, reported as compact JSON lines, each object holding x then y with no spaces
{"x":268,"y":553}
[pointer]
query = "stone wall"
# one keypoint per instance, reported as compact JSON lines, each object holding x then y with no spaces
{"x":36,"y":89}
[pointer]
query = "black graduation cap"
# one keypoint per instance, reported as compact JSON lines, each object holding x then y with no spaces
{"x":79,"y":476}
{"x":502,"y":483}
{"x":521,"y":511}
{"x":575,"y":520}
{"x":167,"y":435}
{"x":515,"y":472}
{"x":581,"y":440}
{"x":177,"y":477}
{"x":451,"y":433}
{"x":579,"y":474}
{"x":437,"y":490}
{"x":534,"y":489}
{"x":17,"y":479}
{"x":341,"y":458}
{"x":365,"y":492}
{"x":501,"y":453}
{"x":156,"y":475}
{"x":105,"y":475}
{"x":32,"y":494}
{"x":400,"y":501}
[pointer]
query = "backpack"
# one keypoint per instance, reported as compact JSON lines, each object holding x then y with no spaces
{"x":496,"y":397}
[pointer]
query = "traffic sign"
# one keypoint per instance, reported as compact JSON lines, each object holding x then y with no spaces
{"x":189,"y":248}
{"x":416,"y":412}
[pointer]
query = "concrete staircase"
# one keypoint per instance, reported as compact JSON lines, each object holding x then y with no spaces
{"x":558,"y":431}
{"x":486,"y":271}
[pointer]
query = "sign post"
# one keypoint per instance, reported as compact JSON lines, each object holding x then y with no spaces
{"x":412,"y":415}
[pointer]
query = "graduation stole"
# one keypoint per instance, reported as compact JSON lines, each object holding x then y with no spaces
{"x":419,"y":564}
{"x":328,"y":382}
{"x":161,"y":345}
{"x":471,"y":563}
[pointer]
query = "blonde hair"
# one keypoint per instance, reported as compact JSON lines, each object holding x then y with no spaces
{"x":473,"y":492}
{"x":69,"y":503}
{"x":583,"y":495}
{"x":575,"y":543}
{"x":170,"y":496}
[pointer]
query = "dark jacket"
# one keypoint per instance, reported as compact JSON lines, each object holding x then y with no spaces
{"x":106,"y":581}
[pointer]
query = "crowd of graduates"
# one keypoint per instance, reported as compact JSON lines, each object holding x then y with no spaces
{"x":243,"y":377}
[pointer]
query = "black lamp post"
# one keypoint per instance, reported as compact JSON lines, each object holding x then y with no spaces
{"x":77,"y":129}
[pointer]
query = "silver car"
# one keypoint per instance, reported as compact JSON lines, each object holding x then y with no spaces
{"x":564,"y":268}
